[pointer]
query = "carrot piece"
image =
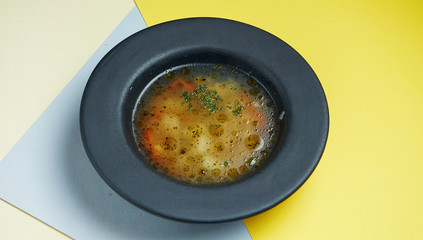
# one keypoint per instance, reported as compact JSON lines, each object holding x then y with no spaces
{"x":148,"y":135}
{"x":256,"y":115}
{"x":181,"y":83}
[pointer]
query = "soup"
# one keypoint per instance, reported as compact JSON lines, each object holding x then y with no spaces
{"x":205,"y":124}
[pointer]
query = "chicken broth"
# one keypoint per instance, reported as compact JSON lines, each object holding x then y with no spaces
{"x":205,"y":124}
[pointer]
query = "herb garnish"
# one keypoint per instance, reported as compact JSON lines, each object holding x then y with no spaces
{"x":226,"y":163}
{"x":206,"y":99}
{"x":169,"y":75}
{"x":236,"y":108}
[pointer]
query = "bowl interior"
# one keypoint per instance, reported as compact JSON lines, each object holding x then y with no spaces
{"x":200,"y":56}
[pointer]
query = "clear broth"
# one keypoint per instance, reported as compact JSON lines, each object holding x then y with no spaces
{"x":205,"y":124}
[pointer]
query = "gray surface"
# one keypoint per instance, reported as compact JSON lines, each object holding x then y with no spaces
{"x":48,"y":175}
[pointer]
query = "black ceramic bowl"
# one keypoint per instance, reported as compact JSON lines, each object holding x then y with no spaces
{"x":118,"y":80}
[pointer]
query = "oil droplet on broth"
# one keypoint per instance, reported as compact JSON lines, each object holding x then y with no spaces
{"x":208,"y":125}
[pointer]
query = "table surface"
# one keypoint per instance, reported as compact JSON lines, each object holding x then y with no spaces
{"x":368,"y":56}
{"x":43,"y":45}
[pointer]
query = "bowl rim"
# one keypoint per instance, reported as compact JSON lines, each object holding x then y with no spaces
{"x":133,"y":63}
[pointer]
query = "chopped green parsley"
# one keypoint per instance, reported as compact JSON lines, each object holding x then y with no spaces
{"x":206,"y":99}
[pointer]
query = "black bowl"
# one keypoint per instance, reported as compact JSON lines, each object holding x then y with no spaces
{"x":118,"y":80}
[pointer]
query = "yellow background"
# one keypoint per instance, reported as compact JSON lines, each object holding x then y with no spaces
{"x":367,"y":54}
{"x":369,"y":57}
